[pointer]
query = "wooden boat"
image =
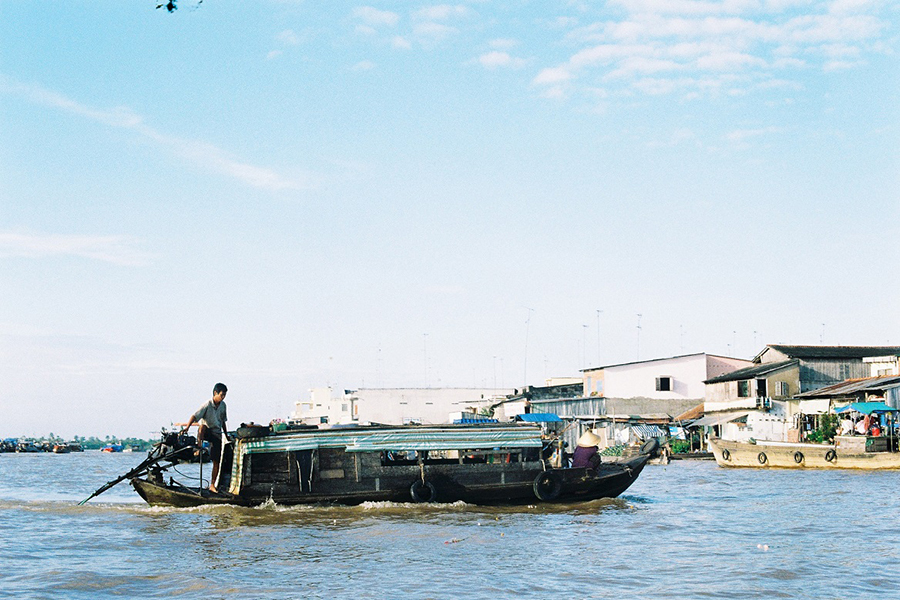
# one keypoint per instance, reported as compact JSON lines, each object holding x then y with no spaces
{"x":477,"y":464}
{"x":847,"y":452}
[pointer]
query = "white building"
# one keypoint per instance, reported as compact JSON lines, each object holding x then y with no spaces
{"x":677,"y":381}
{"x":323,"y":407}
{"x":398,"y":406}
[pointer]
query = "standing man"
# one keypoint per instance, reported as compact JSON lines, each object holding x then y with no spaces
{"x":211,"y":418}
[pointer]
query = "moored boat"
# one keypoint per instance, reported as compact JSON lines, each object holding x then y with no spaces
{"x":847,"y":452}
{"x":477,"y":464}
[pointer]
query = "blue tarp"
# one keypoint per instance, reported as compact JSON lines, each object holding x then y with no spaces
{"x":539,"y":418}
{"x":473,"y":421}
{"x":866,"y":408}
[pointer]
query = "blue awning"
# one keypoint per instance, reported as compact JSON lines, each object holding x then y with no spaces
{"x":866,"y":408}
{"x":538,"y":418}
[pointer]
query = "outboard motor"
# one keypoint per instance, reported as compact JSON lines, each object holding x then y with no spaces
{"x":181,"y":443}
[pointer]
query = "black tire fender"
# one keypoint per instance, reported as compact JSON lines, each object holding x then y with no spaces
{"x":830,"y":455}
{"x":798,"y":457}
{"x":762,"y":458}
{"x":650,"y":446}
{"x":547,"y":486}
{"x":726,"y":455}
{"x":423,"y":491}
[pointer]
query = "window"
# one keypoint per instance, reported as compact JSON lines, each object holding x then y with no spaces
{"x":782,"y":389}
{"x":664,"y":384}
{"x":744,"y":389}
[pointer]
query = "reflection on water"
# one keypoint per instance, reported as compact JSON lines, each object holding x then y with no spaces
{"x":686,"y":530}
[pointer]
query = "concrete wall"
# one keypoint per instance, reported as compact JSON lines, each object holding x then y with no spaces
{"x":639,"y":379}
{"x":396,"y":406}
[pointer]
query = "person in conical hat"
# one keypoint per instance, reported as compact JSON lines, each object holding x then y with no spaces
{"x":586,"y":452}
{"x":588,"y":439}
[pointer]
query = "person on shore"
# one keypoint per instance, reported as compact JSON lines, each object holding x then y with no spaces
{"x":586,"y":451}
{"x":846,"y":426}
{"x":211,"y":418}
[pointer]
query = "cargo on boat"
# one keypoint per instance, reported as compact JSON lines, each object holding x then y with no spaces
{"x":478,"y":464}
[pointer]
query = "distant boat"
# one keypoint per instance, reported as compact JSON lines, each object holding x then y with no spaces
{"x":61,"y":449}
{"x":28,"y":447}
{"x":112,"y":448}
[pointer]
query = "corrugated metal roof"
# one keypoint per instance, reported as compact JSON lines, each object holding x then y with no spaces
{"x":834,"y":351}
{"x":689,"y":415}
{"x":720,"y":418}
{"x":752,"y":372}
{"x":853,"y":386}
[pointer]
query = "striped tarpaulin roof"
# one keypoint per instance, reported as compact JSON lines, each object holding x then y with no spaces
{"x":645,"y":432}
{"x":475,"y":438}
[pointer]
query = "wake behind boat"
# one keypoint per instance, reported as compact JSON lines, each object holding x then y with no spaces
{"x":478,"y":464}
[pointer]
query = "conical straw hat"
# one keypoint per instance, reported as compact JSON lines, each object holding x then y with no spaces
{"x":588,"y":439}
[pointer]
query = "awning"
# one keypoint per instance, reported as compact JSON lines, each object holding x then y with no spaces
{"x":645,"y":432}
{"x":538,"y":418}
{"x":867,"y":408}
{"x":719,"y":418}
{"x":815,"y":407}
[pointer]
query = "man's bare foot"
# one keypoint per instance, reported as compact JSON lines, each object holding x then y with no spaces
{"x":213,"y":489}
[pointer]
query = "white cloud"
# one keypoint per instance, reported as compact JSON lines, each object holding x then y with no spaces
{"x":687,"y":7}
{"x":434,"y":31}
{"x":288,"y":38}
{"x":493,"y":60}
{"x":115,"y":249}
{"x":363,"y":65}
{"x":553,"y":75}
{"x":741,"y":38}
{"x":441,"y":12}
{"x":272,"y":55}
{"x":374,"y":17}
{"x":400,"y":43}
{"x":554,"y":93}
{"x":201,"y":153}
{"x":503,"y":44}
{"x":741,"y":135}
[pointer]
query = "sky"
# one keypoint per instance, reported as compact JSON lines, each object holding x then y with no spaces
{"x":282,"y":195}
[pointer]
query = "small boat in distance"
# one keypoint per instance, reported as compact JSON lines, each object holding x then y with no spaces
{"x":478,"y":464}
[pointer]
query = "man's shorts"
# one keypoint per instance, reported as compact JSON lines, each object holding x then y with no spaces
{"x":215,"y":445}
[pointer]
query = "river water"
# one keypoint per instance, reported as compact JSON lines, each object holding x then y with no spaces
{"x":686,"y":530}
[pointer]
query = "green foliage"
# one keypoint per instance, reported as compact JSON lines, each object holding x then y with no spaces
{"x":680,"y":446}
{"x":828,"y":425}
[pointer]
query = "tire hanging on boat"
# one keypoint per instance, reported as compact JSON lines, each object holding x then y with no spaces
{"x":650,"y":446}
{"x":798,"y":457}
{"x":423,"y":491}
{"x":547,"y":486}
{"x":726,"y":455}
{"x":830,"y":455}
{"x":762,"y":458}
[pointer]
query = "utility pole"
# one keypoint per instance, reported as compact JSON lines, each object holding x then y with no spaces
{"x":425,"y":355}
{"x":599,"y":359}
{"x":527,"y":322}
{"x":639,"y":336}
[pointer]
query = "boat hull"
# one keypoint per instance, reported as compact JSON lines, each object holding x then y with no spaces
{"x":763,"y":455}
{"x":609,"y":480}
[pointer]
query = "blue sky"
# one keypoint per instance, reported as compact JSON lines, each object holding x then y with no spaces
{"x":281,"y":195}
